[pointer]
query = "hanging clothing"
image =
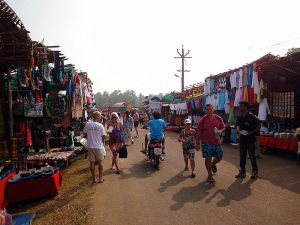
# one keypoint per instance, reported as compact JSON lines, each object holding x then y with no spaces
{"x":237,"y":97}
{"x":263,"y":110}
{"x":245,"y":93}
{"x":227,"y":103}
{"x":255,"y":83}
{"x":250,"y":75}
{"x":221,"y":100}
{"x":233,"y":80}
{"x":46,"y":71}
{"x":251,"y":96}
{"x":240,"y":72}
{"x":261,"y":90}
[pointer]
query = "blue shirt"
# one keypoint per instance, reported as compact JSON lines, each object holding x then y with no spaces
{"x":156,"y":128}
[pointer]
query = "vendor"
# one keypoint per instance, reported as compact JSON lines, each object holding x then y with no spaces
{"x":264,"y":127}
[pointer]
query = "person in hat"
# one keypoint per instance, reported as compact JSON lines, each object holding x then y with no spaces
{"x":188,"y":146}
{"x":210,"y":128}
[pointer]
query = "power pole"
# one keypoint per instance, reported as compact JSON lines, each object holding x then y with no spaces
{"x":182,"y":57}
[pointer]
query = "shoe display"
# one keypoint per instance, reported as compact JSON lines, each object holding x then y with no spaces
{"x":214,"y":169}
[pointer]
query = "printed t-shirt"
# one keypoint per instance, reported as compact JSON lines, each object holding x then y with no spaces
{"x":206,"y":129}
{"x":156,"y":128}
{"x":94,"y":131}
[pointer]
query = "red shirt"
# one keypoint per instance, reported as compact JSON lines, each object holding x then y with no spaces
{"x":206,"y":129}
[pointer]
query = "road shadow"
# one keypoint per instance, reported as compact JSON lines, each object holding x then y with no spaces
{"x":140,"y":170}
{"x":237,"y":191}
{"x":173,"y":181}
{"x":273,"y":167}
{"x":191,"y":194}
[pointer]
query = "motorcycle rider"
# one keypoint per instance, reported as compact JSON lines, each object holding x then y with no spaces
{"x":157,"y":129}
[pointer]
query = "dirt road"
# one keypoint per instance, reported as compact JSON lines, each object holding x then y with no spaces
{"x":142,"y":195}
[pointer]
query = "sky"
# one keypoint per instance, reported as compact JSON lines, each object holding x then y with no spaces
{"x":132,"y":44}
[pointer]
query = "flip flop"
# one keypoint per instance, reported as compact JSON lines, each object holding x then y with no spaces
{"x":96,"y":181}
{"x":101,"y":181}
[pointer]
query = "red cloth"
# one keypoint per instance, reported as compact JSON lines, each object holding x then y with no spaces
{"x":206,"y":129}
{"x":47,"y":186}
{"x":3,"y":199}
{"x":251,"y":96}
{"x":285,"y":144}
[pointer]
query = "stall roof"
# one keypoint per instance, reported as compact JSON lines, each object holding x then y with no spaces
{"x":15,"y":42}
{"x":288,"y":66}
{"x":266,"y":57}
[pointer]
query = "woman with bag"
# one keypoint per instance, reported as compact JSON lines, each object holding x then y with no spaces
{"x":116,"y":138}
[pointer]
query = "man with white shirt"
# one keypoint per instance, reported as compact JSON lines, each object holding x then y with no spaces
{"x":96,"y":151}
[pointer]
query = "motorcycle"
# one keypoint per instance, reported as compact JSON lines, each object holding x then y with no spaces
{"x":155,"y":150}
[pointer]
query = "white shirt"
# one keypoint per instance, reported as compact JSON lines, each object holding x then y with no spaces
{"x":227,"y":103}
{"x":263,"y":110}
{"x":233,"y":80}
{"x":237,"y":97}
{"x":94,"y":131}
{"x":241,"y":78}
{"x":255,"y":83}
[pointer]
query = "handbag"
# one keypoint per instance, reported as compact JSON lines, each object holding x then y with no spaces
{"x":123,"y":152}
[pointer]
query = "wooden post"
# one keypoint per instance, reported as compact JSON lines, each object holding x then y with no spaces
{"x":11,"y":119}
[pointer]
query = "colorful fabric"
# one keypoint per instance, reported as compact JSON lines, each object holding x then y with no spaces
{"x":209,"y":151}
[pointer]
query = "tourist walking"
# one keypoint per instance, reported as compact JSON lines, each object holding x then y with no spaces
{"x":136,"y":118}
{"x":188,"y":146}
{"x":249,"y":126}
{"x":96,"y":151}
{"x":210,"y":128}
{"x":115,"y":140}
{"x":128,"y":125}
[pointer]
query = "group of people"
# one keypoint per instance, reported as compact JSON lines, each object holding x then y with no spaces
{"x":207,"y":136}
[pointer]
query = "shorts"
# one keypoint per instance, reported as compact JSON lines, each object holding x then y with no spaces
{"x":209,"y":151}
{"x":136,"y":123}
{"x":148,"y":136}
{"x":96,"y":154}
{"x":190,"y":153}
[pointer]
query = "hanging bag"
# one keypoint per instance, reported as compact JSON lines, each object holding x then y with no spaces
{"x":123,"y":152}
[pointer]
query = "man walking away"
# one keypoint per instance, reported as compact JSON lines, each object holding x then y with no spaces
{"x":136,"y":118}
{"x":128,"y":125}
{"x":210,"y":128}
{"x":96,"y":152}
{"x":249,"y":125}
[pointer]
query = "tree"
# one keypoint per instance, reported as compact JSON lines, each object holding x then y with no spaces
{"x":106,"y":100}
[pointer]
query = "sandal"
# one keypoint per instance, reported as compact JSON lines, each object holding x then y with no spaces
{"x":193,"y":175}
{"x":96,"y":181}
{"x":101,"y":181}
{"x":119,"y":172}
